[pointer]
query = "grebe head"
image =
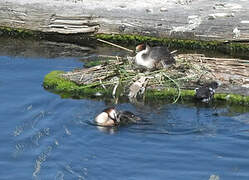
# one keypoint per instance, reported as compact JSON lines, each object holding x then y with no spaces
{"x":214,"y":85}
{"x":127,"y":117}
{"x":108,"y":117}
{"x":141,"y":47}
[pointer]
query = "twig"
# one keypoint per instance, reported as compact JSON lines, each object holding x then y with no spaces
{"x":102,"y":84}
{"x":115,"y":45}
{"x":173,"y":52}
{"x":81,"y":77}
{"x":114,"y":90}
{"x":178,"y":87}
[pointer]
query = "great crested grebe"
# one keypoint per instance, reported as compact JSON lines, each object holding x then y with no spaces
{"x":108,"y":117}
{"x":153,"y":57}
{"x":112,"y":117}
{"x":206,"y":92}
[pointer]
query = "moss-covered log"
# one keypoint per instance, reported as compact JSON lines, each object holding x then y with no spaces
{"x":233,"y":48}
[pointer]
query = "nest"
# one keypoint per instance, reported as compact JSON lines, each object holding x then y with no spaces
{"x":190,"y":71}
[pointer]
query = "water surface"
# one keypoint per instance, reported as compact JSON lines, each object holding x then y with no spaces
{"x":43,"y":136}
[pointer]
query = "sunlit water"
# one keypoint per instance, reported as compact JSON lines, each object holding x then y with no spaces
{"x":43,"y":136}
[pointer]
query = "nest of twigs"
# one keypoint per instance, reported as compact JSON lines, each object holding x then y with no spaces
{"x":189,"y":72}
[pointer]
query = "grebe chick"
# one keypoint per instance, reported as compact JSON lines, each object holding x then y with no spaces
{"x":153,"y":57}
{"x":127,"y":117}
{"x":206,"y":92}
{"x":108,"y":117}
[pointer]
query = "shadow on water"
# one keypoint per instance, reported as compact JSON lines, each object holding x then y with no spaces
{"x":45,"y":49}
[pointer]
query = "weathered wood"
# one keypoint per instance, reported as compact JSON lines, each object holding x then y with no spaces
{"x":195,"y":19}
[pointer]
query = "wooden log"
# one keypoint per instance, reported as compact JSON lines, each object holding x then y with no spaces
{"x":200,"y":19}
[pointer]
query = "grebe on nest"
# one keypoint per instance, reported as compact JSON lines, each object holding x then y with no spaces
{"x":206,"y":92}
{"x":153,"y":57}
{"x":112,"y":117}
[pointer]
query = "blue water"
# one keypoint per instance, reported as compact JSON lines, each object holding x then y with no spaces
{"x":43,"y":136}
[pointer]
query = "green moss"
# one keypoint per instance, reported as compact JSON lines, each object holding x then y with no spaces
{"x":19,"y":33}
{"x":219,"y":46}
{"x":55,"y":83}
{"x":232,"y":98}
{"x":169,"y":94}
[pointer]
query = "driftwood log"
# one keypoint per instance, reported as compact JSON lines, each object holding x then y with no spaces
{"x":192,"y":19}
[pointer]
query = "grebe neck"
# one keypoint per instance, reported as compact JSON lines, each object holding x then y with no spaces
{"x":147,"y":49}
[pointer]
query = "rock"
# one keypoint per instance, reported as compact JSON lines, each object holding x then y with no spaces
{"x":236,"y":33}
{"x":220,"y":15}
{"x":149,"y":10}
{"x":163,"y":9}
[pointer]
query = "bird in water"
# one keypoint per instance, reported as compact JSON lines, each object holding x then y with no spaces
{"x":153,"y":57}
{"x":127,"y":117}
{"x":108,"y":117}
{"x":206,"y":92}
{"x":112,"y":117}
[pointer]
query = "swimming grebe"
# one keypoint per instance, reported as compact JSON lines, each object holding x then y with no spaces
{"x":206,"y":92}
{"x":153,"y":57}
{"x":112,"y":117}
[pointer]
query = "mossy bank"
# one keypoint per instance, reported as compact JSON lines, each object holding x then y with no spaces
{"x":233,"y":48}
{"x":68,"y":89}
